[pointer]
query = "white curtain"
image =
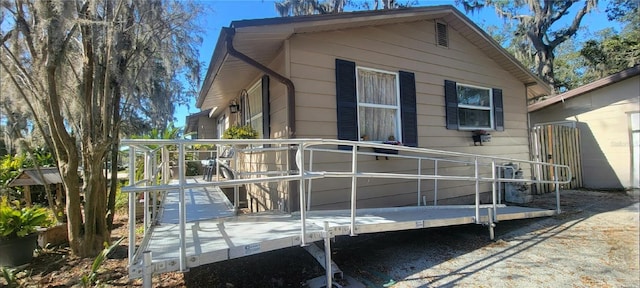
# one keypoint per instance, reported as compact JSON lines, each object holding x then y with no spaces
{"x":377,"y":105}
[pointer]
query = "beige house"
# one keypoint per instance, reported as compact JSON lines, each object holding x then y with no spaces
{"x":201,"y":125}
{"x":425,"y":76}
{"x":607,"y":113}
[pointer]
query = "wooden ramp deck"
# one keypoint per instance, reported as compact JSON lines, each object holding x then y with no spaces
{"x":214,"y":233}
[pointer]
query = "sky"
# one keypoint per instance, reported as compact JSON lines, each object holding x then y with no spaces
{"x":220,"y":13}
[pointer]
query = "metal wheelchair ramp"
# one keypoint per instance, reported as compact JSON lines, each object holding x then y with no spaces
{"x":196,"y":224}
{"x":223,"y":236}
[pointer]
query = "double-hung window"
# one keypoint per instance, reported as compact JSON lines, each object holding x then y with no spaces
{"x":375,"y":104}
{"x":475,"y":107}
{"x":252,"y":110}
{"x":471,"y":107}
{"x":378,"y":105}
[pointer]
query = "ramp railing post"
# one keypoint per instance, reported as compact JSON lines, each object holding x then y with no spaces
{"x":494,"y":189}
{"x":557,"y":183}
{"x":491,"y":225}
{"x":166,"y":173}
{"x":132,"y":203}
{"x":154,"y":182}
{"x":236,"y":198}
{"x":435,"y":183}
{"x":327,"y":255}
{"x":147,"y":271}
{"x":309,"y":186}
{"x":182,"y":209}
{"x":419,"y":180}
{"x":147,"y":177}
{"x":477,"y":175}
{"x":354,"y":187}
{"x":303,"y":201}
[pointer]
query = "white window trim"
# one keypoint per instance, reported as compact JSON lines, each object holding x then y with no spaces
{"x":223,"y":124}
{"x":475,"y":107}
{"x":247,"y":120}
{"x":249,"y":91}
{"x":398,"y":132}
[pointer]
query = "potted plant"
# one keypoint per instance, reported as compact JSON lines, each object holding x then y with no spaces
{"x":390,"y":141}
{"x":18,"y":228}
{"x":240,"y":132}
{"x":480,"y":136}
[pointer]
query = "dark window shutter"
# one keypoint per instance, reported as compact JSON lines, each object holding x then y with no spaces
{"x":266,"y":115}
{"x":498,"y":111}
{"x":346,"y":102}
{"x":451,"y":105}
{"x":408,"y":111}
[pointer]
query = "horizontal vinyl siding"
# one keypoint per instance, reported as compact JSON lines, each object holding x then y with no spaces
{"x":407,"y":47}
{"x":603,"y":120}
{"x":266,"y":196}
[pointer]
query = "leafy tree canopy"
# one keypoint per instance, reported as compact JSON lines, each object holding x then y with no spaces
{"x":538,"y":32}
{"x":81,"y":73}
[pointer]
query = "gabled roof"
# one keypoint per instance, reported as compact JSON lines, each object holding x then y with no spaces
{"x":29,"y":177}
{"x":606,"y":81}
{"x":261,"y":40}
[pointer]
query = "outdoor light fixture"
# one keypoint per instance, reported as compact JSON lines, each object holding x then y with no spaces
{"x":234,"y":107}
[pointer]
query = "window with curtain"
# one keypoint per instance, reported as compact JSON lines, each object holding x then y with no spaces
{"x":252,"y":109}
{"x":475,"y":107}
{"x":378,"y":105}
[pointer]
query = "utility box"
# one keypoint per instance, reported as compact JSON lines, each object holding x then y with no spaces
{"x":515,"y":192}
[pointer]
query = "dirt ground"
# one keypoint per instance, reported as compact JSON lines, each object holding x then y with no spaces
{"x":593,"y":243}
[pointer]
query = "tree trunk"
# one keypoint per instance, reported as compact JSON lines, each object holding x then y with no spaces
{"x":544,"y":59}
{"x":113,"y":187}
{"x":95,"y":226}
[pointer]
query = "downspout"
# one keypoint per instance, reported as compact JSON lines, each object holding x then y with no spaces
{"x":291,"y":111}
{"x":291,"y":90}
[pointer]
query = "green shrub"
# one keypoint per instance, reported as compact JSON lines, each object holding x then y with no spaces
{"x":9,"y":276}
{"x":193,"y":169}
{"x":240,"y":132}
{"x":91,"y":279}
{"x":18,"y":222}
{"x":122,"y":199}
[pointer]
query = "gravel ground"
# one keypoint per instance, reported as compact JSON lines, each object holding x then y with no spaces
{"x":593,"y":243}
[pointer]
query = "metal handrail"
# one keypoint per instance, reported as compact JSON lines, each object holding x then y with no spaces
{"x":305,"y":172}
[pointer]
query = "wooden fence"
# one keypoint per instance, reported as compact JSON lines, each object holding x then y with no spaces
{"x":556,"y":144}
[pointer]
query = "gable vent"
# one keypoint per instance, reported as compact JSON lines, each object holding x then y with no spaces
{"x":442,"y":34}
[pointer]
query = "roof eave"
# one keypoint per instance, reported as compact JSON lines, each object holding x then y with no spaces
{"x":535,"y":86}
{"x":606,"y":81}
{"x":217,"y":58}
{"x":533,"y":79}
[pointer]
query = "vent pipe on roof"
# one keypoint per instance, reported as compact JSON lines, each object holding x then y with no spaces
{"x":291,"y":91}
